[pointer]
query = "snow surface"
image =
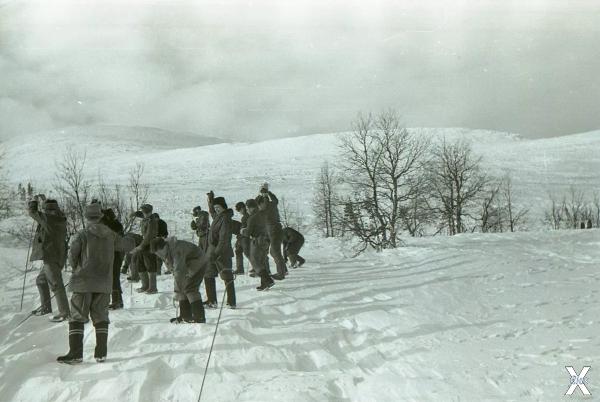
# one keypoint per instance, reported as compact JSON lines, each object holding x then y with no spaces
{"x":469,"y":318}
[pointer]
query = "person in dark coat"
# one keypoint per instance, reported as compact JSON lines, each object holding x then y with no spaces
{"x":134,"y":240}
{"x":112,"y":222}
{"x":268,"y":203}
{"x":201,"y":225}
{"x":257,"y":233}
{"x":49,"y":246}
{"x":292,"y":243}
{"x":145,"y":260}
{"x":188,"y":263}
{"x":220,"y":252}
{"x":92,"y":256}
{"x":242,"y":243}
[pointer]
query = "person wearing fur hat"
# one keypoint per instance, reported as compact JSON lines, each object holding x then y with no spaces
{"x":146,"y":261}
{"x":188,"y":263}
{"x":91,"y":256}
{"x":256,"y":232}
{"x":268,"y":203}
{"x":220,"y":252}
{"x":49,"y":246}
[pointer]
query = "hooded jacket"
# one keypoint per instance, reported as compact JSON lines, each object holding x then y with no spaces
{"x":185,"y":259}
{"x":219,"y":236}
{"x":91,"y":256}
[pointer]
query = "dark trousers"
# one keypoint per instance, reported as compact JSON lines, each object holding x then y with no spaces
{"x":116,"y":283}
{"x":145,"y":261}
{"x":276,"y":237}
{"x":259,"y":255}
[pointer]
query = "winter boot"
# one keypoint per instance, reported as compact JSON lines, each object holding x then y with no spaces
{"x":230,"y":289}
{"x":152,"y":283}
{"x":145,"y":285}
{"x":197,"y":312}
{"x":185,"y":312}
{"x":266,"y":282}
{"x":301,"y":261}
{"x":101,"y":341}
{"x":117,"y":301}
{"x":59,"y":318}
{"x":42,"y":310}
{"x":75,"y":354}
{"x":211,"y":292}
{"x":278,"y":276}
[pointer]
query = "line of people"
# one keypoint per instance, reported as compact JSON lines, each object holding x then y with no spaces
{"x":99,"y":251}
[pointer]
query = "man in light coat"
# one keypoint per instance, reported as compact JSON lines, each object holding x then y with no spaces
{"x":188,"y":263}
{"x":49,"y":245}
{"x":91,"y":255}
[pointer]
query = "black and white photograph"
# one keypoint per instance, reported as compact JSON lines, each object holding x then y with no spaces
{"x":299,"y":200}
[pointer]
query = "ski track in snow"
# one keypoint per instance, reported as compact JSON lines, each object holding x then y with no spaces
{"x":474,"y":317}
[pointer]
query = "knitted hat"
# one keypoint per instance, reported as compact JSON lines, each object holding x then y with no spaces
{"x":239,"y":206}
{"x":93,"y":211}
{"x":51,"y":205}
{"x":147,"y":208}
{"x":196,"y":211}
{"x":220,"y":201}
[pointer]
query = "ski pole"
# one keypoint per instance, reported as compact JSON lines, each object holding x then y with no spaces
{"x":27,"y":265}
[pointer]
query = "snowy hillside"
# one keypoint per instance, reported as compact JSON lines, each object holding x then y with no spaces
{"x":469,"y":318}
{"x":181,"y":172}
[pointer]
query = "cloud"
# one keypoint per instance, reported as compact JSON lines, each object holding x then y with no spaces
{"x":263,"y":69}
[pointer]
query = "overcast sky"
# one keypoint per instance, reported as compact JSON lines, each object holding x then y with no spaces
{"x":261,"y":69}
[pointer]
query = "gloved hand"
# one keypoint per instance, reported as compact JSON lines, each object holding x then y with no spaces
{"x":193,"y":225}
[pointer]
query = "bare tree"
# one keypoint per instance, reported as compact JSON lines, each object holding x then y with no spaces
{"x":491,"y":210}
{"x":554,"y":215}
{"x":458,"y":183}
{"x":515,"y":215}
{"x":73,"y":188}
{"x":574,"y":207}
{"x":6,"y":197}
{"x":325,"y":200}
{"x":138,"y":191}
{"x":381,"y":160}
{"x":291,"y":217}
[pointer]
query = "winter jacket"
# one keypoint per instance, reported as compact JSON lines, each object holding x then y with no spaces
{"x":185,"y":259}
{"x":219,"y":237}
{"x":50,"y":240}
{"x":149,"y":229}
{"x":257,"y":225}
{"x":272,"y":211}
{"x":113,"y":224}
{"x":201,"y":224}
{"x":91,"y":256}
{"x":292,"y":236}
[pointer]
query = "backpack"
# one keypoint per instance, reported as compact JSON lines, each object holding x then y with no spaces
{"x":236,"y":227}
{"x":162,"y":228}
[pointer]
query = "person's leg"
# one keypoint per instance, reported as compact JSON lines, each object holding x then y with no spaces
{"x":227,"y":277}
{"x":151,"y":264}
{"x":275,"y":236}
{"x":53,"y":274}
{"x":194,"y":300}
{"x":99,"y":315}
{"x":134,"y":267}
{"x":117,"y":298}
{"x":80,"y":310}
{"x":239,"y":257}
{"x":138,"y":257}
{"x":44,"y":291}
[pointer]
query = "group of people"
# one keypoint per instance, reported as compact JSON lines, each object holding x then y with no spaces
{"x":101,"y":251}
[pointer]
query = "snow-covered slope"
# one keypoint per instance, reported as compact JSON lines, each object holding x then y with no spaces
{"x":469,"y":318}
